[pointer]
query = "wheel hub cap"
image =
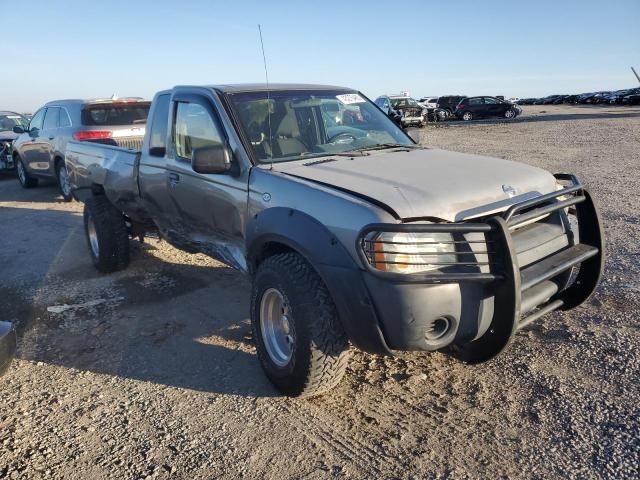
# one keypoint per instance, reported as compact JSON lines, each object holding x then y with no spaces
{"x":21,"y":175}
{"x":64,"y":181}
{"x":275,"y":327}
{"x":93,"y":237}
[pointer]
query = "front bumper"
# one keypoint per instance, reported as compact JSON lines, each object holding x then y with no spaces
{"x":487,"y":303}
{"x":408,"y":121}
{"x":7,"y":345}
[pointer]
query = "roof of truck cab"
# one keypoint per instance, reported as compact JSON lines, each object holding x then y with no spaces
{"x":263,"y":87}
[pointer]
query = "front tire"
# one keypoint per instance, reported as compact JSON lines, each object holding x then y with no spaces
{"x":510,"y":114}
{"x":26,"y":180}
{"x":299,"y":338}
{"x":107,"y":235}
{"x":63,"y":181}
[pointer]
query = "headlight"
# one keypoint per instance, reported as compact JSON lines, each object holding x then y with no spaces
{"x":409,"y":252}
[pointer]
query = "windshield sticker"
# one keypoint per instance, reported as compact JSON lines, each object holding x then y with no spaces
{"x":14,"y":116}
{"x":350,"y":98}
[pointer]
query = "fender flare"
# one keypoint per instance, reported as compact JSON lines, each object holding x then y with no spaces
{"x":304,"y":234}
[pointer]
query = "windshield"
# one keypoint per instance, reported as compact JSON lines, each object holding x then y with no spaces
{"x":7,"y":122}
{"x":403,"y":102}
{"x":290,"y":125}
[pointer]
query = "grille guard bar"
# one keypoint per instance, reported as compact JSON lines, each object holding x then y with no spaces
{"x":506,"y":278}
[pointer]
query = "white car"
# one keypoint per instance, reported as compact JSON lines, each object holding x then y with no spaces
{"x":430,"y":103}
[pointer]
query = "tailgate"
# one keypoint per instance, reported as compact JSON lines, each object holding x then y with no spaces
{"x":113,"y":168}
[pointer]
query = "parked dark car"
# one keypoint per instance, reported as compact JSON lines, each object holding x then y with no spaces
{"x":618,"y":97}
{"x":571,"y":99}
{"x":8,"y":120}
{"x":600,"y":98}
{"x":633,"y":99}
{"x":483,"y":107}
{"x":448,"y":103}
{"x":38,"y":151}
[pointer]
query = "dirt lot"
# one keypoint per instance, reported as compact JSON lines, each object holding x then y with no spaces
{"x":152,"y":372}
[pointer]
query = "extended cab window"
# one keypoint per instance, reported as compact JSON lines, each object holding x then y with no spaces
{"x":159,"y":122}
{"x":64,"y":120}
{"x":194,"y":128}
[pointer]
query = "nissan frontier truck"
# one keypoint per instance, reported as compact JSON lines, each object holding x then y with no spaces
{"x":354,"y":235}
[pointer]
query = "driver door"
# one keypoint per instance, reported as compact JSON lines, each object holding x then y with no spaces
{"x":211,"y":208}
{"x":30,"y":148}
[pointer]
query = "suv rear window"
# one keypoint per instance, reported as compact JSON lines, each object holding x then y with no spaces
{"x":109,"y":114}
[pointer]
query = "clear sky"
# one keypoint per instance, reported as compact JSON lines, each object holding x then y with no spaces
{"x":60,"y":49}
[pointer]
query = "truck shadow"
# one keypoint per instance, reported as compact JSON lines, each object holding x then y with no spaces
{"x":12,"y":191}
{"x":182,"y":325}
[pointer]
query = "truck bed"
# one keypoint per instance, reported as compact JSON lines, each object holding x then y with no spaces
{"x":114,"y":169}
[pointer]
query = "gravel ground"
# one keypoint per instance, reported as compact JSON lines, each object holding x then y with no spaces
{"x":152,"y":373}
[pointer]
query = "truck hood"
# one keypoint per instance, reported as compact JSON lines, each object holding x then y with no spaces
{"x":425,"y":183}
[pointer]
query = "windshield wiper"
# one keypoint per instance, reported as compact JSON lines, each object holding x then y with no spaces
{"x":382,"y":146}
{"x":348,"y":153}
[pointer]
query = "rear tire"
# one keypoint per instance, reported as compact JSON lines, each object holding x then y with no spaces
{"x":107,"y":235}
{"x":467,"y":116}
{"x":63,"y":181}
{"x":299,"y":338}
{"x":26,"y":180}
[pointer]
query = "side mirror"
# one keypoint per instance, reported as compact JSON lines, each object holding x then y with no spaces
{"x":18,"y":129}
{"x":415,"y":134}
{"x":7,"y":345}
{"x":211,"y":159}
{"x":157,"y":151}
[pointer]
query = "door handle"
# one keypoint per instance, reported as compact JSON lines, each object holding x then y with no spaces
{"x":51,"y":138}
{"x":173,"y":179}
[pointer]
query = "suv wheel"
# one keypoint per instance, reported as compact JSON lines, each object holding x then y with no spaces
{"x":299,"y":338}
{"x":467,"y":116}
{"x":63,"y":181}
{"x":26,"y":180}
{"x":107,"y":234}
{"x":510,"y":114}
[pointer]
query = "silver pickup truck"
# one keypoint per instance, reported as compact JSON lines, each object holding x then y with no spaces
{"x":353,"y":234}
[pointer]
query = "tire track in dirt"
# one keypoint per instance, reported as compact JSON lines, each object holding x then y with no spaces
{"x":312,"y":423}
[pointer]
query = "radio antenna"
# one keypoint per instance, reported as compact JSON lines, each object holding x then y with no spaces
{"x":266,"y":76}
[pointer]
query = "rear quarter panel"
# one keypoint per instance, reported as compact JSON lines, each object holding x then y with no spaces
{"x":92,"y":165}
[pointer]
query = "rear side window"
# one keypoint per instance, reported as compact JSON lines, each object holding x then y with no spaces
{"x":474,"y":101}
{"x":111,"y":114}
{"x":63,"y":118}
{"x":159,"y":122}
{"x":51,"y":118}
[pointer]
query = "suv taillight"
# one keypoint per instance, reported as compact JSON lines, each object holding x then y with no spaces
{"x":92,"y":135}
